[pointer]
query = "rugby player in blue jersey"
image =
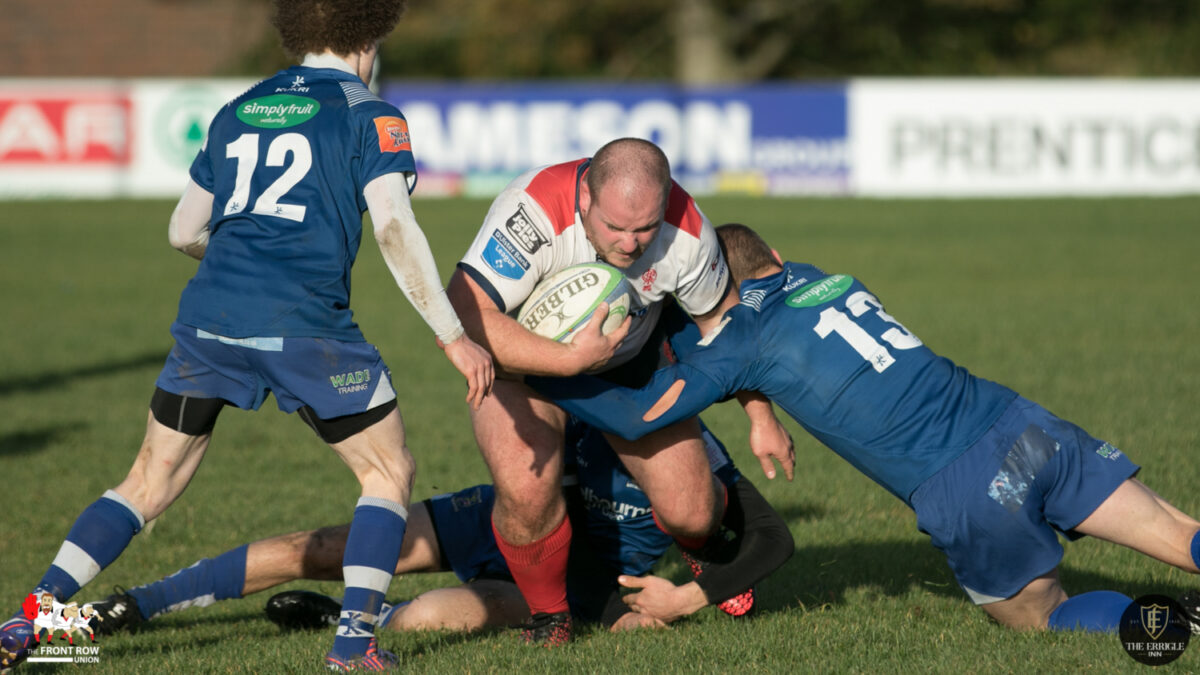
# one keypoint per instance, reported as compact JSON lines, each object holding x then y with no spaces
{"x":993,"y":477}
{"x":615,"y":534}
{"x":273,"y":211}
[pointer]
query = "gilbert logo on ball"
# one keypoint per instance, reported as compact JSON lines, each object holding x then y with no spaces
{"x":564,"y":302}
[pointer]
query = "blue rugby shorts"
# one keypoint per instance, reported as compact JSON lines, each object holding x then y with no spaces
{"x":997,"y":510}
{"x":335,"y":378}
{"x":462,"y":522}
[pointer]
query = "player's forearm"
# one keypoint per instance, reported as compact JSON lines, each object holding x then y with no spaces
{"x":673,"y":394}
{"x":757,"y":407}
{"x":188,"y":229}
{"x":515,"y":350}
{"x":519,"y":351}
{"x":406,"y":252}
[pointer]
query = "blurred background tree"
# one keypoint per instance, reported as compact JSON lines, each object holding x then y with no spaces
{"x":725,"y":41}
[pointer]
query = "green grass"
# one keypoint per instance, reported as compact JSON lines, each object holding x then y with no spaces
{"x":1086,"y":306}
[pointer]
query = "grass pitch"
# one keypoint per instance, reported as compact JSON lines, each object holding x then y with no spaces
{"x":1085,"y":306}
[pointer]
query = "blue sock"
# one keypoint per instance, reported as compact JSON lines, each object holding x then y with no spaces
{"x":1097,"y":611}
{"x":199,"y":585}
{"x":1196,"y":549}
{"x":372,"y":549}
{"x":98,"y":537}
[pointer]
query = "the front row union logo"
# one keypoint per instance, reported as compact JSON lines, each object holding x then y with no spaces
{"x":57,"y":633}
{"x":1154,"y":630}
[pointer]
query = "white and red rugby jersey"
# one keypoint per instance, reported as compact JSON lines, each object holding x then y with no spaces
{"x":534,"y":229}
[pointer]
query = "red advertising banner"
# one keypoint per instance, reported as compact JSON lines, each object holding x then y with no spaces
{"x":65,"y":128}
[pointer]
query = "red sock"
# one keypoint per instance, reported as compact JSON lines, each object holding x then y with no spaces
{"x":540,"y":568}
{"x":695,"y":543}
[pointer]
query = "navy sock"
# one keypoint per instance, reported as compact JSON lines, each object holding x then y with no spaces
{"x":372,"y":549}
{"x":98,"y":537}
{"x":1196,"y":549}
{"x":199,"y":585}
{"x":1097,"y":611}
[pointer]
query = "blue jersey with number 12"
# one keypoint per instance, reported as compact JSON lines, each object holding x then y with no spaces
{"x":286,"y":163}
{"x":823,"y":349}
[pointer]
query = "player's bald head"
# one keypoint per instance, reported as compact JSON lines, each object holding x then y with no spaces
{"x":633,"y":167}
{"x":747,"y":255}
{"x":341,"y":26}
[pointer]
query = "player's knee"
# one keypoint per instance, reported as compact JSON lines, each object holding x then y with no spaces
{"x":149,"y":496}
{"x":692,"y":527}
{"x":396,"y":466}
{"x":422,"y":615}
{"x":695,"y":517}
{"x":530,"y":506}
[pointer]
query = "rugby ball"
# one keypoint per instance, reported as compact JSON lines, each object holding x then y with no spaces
{"x":563,"y":302}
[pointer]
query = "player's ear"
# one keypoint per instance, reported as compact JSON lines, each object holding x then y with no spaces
{"x":585,"y":197}
{"x":775,"y":255}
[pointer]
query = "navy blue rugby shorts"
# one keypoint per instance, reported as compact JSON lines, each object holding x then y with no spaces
{"x":335,"y":378}
{"x":997,"y":510}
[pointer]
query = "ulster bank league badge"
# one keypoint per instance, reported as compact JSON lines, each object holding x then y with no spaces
{"x":1154,"y":630}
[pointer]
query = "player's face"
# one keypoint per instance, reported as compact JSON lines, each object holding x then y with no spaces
{"x":620,"y":225}
{"x":47,"y":601}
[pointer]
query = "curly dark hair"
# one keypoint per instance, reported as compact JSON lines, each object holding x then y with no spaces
{"x":343,"y":26}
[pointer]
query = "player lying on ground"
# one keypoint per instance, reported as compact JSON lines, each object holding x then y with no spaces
{"x":452,"y":532}
{"x":993,"y":477}
{"x":622,"y":207}
{"x":273,"y":211}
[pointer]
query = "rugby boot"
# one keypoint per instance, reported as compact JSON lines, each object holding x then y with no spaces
{"x":303,"y":610}
{"x":547,"y":630}
{"x":118,"y":612}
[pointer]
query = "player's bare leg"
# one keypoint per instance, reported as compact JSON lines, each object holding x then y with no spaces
{"x":162,"y":469}
{"x":1133,"y":516}
{"x":164,"y":466}
{"x":1032,"y":606}
{"x":380,"y":459}
{"x":671,"y":466}
{"x":317,"y":554}
{"x":1136,"y":517}
{"x":521,"y":437}
{"x":473,"y":606}
{"x":384,"y":467}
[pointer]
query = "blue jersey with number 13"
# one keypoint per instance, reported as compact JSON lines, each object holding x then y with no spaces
{"x":823,"y":349}
{"x":286,"y":163}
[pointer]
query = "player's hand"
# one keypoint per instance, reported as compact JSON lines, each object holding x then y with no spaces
{"x":475,"y":364}
{"x":635,"y":621}
{"x":770,"y":442}
{"x":662,"y":599}
{"x":590,"y":348}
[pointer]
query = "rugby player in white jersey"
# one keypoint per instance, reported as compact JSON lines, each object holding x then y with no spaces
{"x":622,"y":207}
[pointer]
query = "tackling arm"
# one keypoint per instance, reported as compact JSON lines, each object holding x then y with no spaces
{"x":188,"y":229}
{"x":673,"y":393}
